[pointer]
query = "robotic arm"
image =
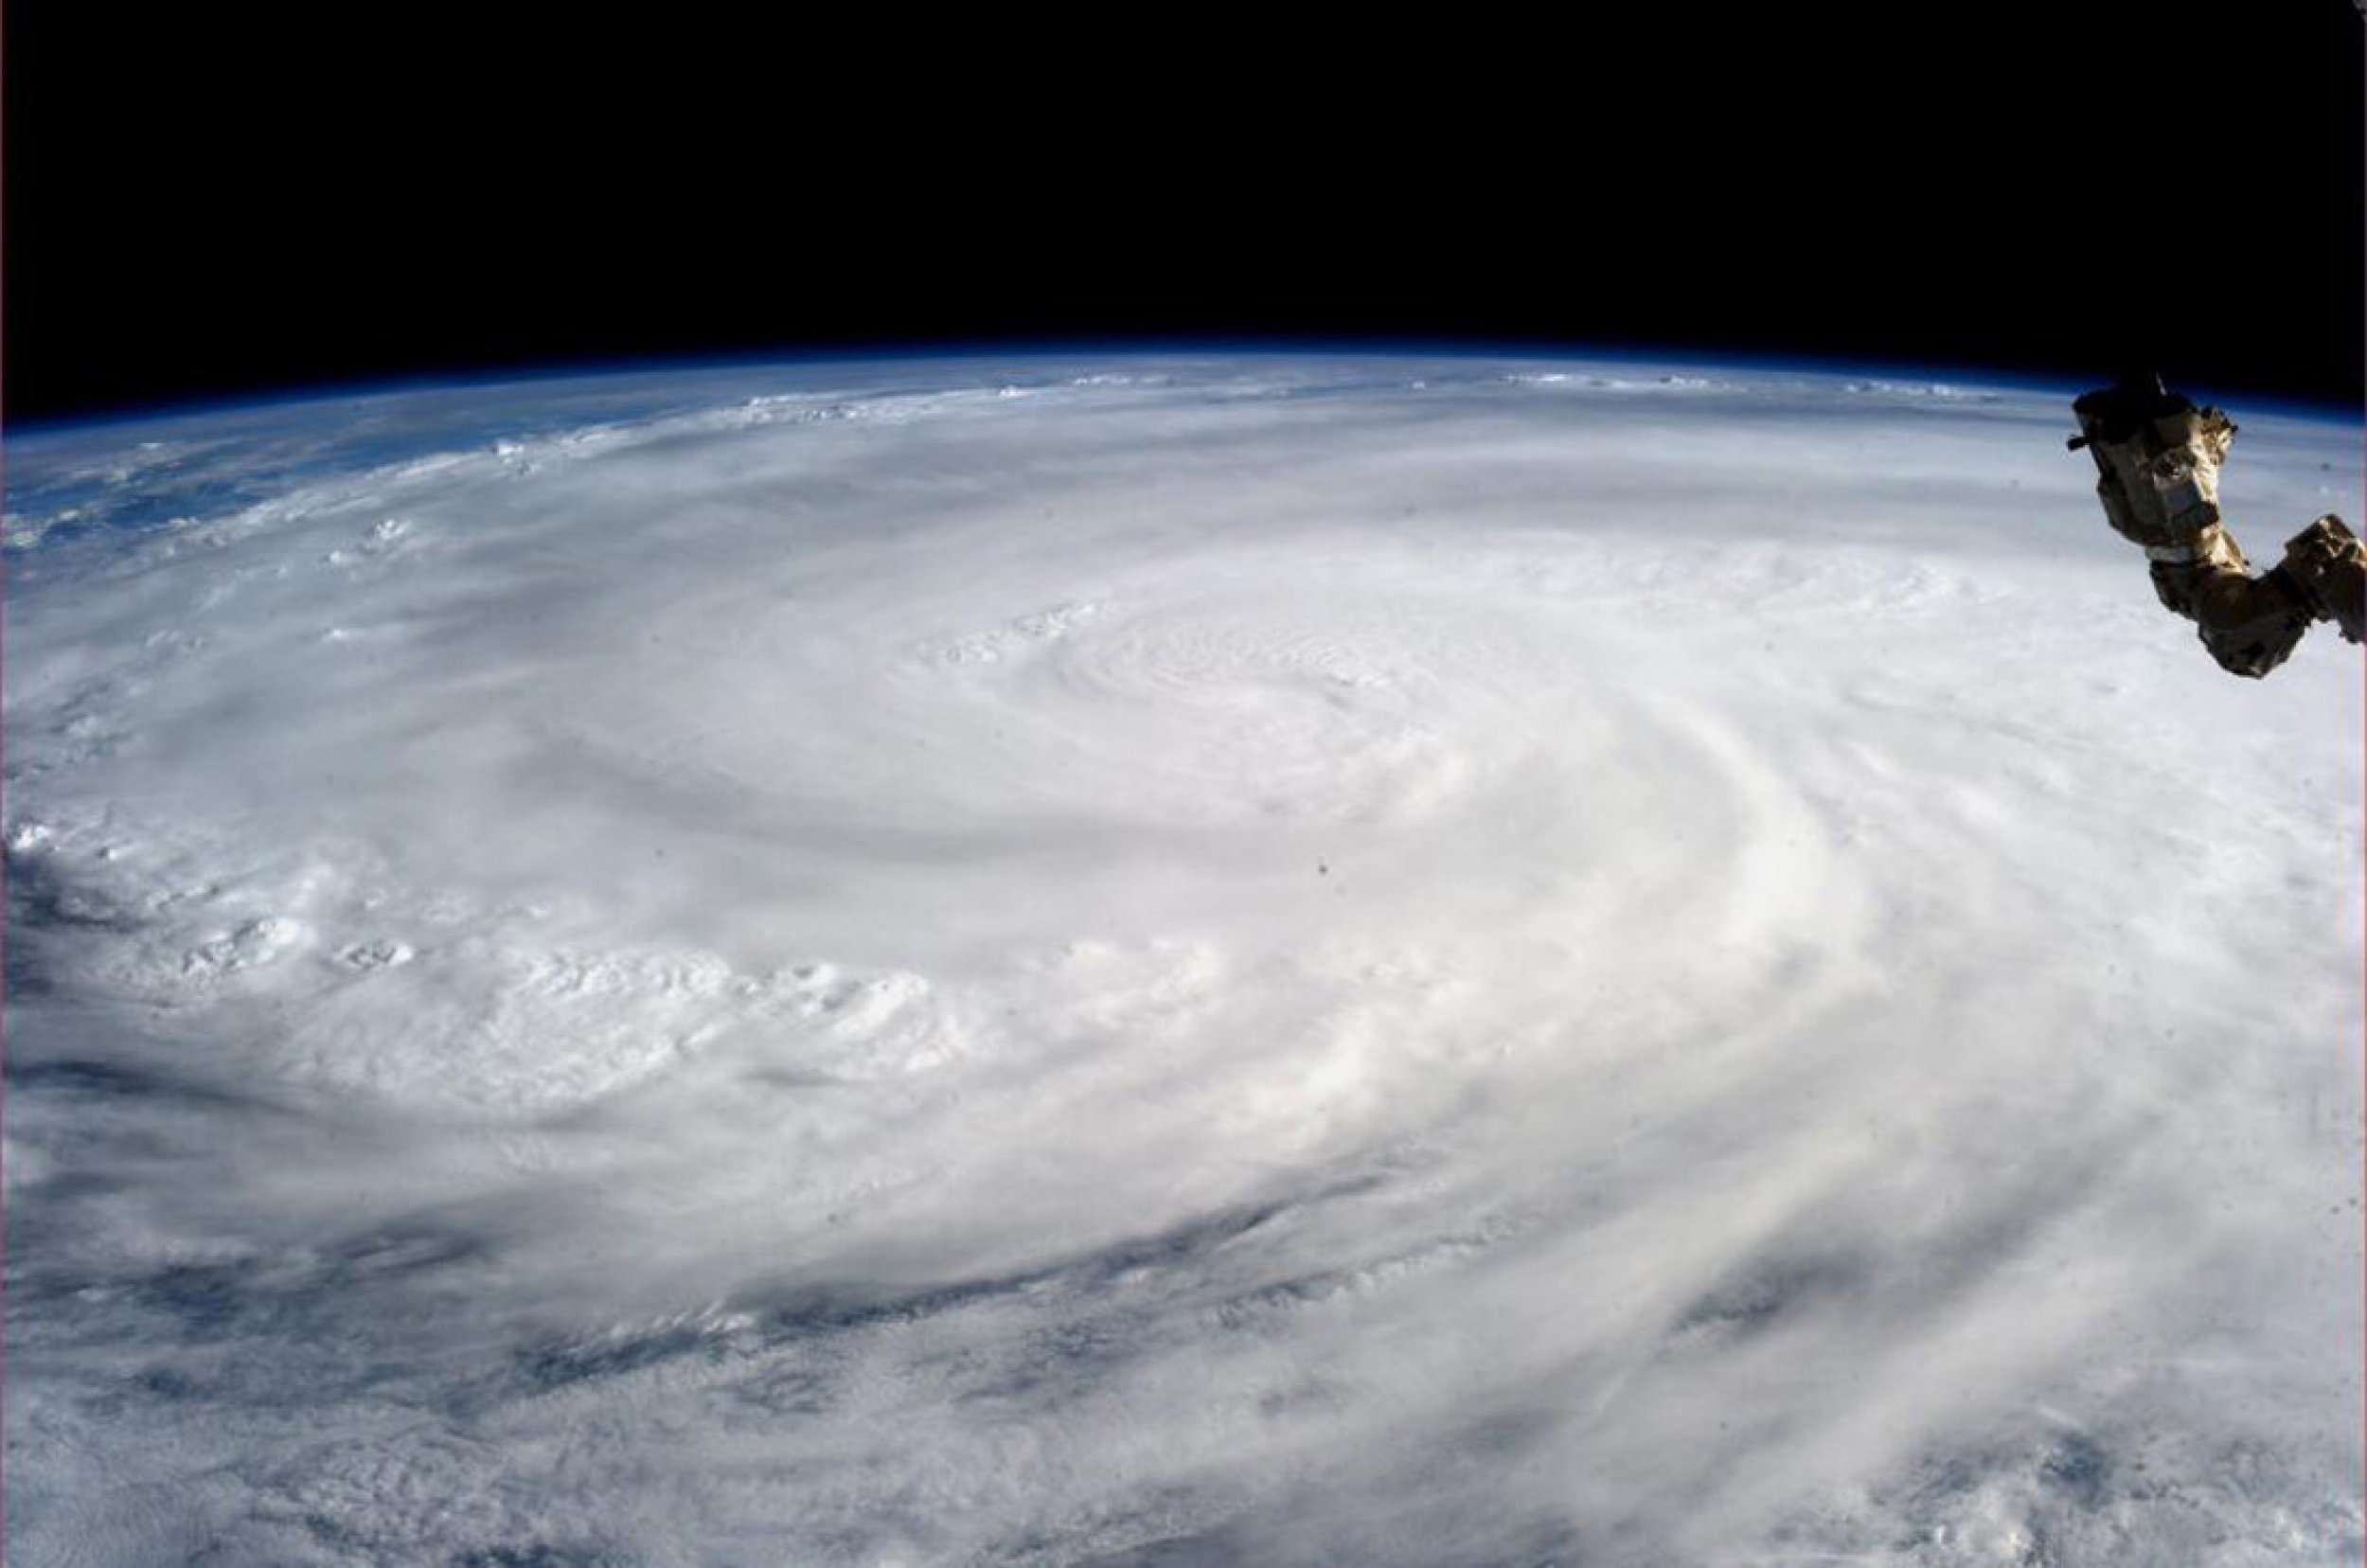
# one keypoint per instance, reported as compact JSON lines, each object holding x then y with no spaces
{"x":2158,"y":461}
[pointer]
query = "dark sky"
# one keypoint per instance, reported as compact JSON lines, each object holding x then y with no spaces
{"x":201,"y":202}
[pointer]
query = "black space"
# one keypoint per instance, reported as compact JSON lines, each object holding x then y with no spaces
{"x":208,"y":200}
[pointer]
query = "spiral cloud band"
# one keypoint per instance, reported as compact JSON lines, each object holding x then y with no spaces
{"x":1167,"y":961}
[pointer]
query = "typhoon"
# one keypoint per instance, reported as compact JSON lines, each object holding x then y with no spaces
{"x":1409,"y":961}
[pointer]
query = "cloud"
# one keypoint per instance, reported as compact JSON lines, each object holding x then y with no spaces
{"x":1340,"y":962}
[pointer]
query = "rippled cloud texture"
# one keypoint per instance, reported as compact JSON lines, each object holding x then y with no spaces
{"x":1168,"y":962}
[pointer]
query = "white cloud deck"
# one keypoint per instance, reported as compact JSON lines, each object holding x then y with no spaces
{"x":1249,"y":961}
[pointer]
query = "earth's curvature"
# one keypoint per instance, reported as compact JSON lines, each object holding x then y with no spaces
{"x":1170,"y":960}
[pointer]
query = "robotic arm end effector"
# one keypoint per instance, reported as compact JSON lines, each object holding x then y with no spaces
{"x":2327,"y":566}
